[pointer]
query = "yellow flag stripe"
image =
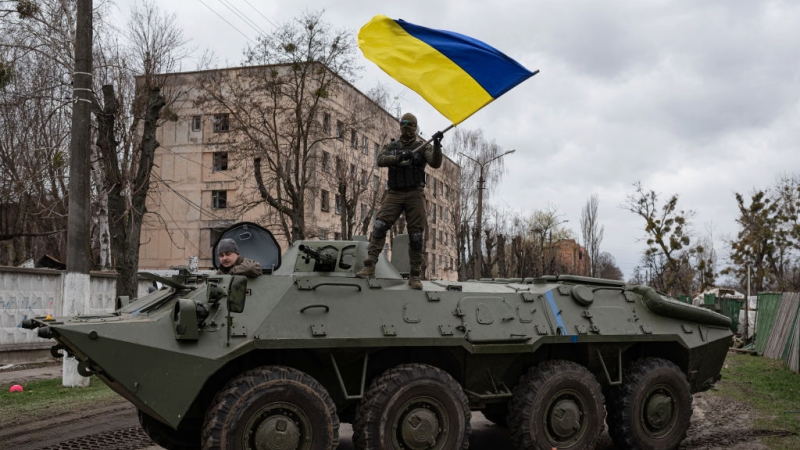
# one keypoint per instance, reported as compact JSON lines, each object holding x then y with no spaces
{"x":422,"y":68}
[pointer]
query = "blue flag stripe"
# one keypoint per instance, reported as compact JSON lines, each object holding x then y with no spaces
{"x":493,"y":70}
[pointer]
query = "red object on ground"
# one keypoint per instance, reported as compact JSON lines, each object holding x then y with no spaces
{"x":15,"y":388}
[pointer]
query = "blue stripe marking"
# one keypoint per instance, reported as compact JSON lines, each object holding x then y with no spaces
{"x":554,"y":308}
{"x":491,"y":68}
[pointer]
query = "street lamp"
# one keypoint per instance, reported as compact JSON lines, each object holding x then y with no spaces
{"x":476,"y":244}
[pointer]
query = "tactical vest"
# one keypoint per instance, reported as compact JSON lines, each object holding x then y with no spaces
{"x":406,"y":177}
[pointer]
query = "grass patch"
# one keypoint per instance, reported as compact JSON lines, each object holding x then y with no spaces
{"x":48,"y":397}
{"x":771,"y":389}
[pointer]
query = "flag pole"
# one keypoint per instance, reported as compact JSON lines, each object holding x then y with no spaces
{"x":431,"y":139}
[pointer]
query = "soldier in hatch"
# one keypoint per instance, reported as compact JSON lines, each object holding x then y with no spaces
{"x":405,"y":194}
{"x":232,"y":263}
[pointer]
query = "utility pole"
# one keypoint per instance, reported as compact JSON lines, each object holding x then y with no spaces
{"x":77,"y":281}
{"x":476,"y":244}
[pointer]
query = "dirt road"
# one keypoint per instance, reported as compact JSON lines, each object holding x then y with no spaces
{"x":717,"y":424}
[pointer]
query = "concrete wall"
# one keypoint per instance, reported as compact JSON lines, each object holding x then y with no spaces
{"x":28,"y":293}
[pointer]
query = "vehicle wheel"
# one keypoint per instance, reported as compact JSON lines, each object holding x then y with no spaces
{"x":496,"y":413}
{"x":652,"y":407}
{"x":168,"y":438}
{"x":272,"y":407}
{"x":415,"y":407}
{"x":557,"y":404}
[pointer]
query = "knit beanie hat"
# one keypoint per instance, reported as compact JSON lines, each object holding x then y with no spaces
{"x":227,"y":245}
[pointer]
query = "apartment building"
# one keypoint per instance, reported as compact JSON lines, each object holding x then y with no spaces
{"x":204,"y":178}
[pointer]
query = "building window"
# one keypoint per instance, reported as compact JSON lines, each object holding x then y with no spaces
{"x":363,"y":179}
{"x":326,"y":123}
{"x":323,"y":235}
{"x":339,"y":129}
{"x":197,"y":122}
{"x":324,"y":200}
{"x":220,"y":161}
{"x":364,"y":145}
{"x":434,"y":214}
{"x":214,"y":234}
{"x":338,"y":205}
{"x":375,"y":182}
{"x":219,"y":199}
{"x":326,"y":161}
{"x":221,"y":123}
{"x":433,"y":263}
{"x":353,"y":139}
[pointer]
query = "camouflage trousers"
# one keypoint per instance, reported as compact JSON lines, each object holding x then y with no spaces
{"x":394,"y":203}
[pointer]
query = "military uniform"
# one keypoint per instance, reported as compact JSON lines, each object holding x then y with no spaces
{"x":243,"y":266}
{"x":405,"y":194}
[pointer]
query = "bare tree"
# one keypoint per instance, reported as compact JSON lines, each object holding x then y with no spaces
{"x":606,"y":267}
{"x":299,"y":72}
{"x":127,"y":121}
{"x":546,"y":227}
{"x":466,"y":147}
{"x":353,"y":177}
{"x":592,"y":232}
{"x":35,"y":110}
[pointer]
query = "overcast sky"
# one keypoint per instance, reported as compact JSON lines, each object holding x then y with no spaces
{"x":699,"y":99}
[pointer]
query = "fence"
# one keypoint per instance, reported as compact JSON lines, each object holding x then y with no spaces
{"x":28,"y":293}
{"x":782,"y":340}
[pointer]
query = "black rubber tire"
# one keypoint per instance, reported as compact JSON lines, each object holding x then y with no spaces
{"x":567,"y":386}
{"x":259,"y":395}
{"x":628,"y":402}
{"x":418,"y":386}
{"x":496,"y":413}
{"x":168,"y":438}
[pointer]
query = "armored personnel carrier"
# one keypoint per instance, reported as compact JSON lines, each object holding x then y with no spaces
{"x":277,"y":361}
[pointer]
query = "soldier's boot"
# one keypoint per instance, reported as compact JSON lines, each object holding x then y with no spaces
{"x":368,"y":271}
{"x":413,"y":281}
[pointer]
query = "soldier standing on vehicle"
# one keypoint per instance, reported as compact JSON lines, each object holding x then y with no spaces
{"x":405,"y":194}
{"x":232,"y":263}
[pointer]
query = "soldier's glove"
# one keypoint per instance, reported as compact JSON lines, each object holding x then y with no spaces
{"x":405,"y":155}
{"x":437,"y":138}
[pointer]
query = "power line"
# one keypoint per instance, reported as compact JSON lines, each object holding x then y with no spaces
{"x":259,"y":13}
{"x":242,"y":16}
{"x":185,"y":199}
{"x":201,"y":164}
{"x":223,"y":19}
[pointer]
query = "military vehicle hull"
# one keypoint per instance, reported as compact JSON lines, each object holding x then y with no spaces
{"x":274,"y":362}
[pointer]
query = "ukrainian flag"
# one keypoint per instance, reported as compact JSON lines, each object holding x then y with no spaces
{"x":456,"y":74}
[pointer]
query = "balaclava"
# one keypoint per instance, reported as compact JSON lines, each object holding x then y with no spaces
{"x":408,"y":133}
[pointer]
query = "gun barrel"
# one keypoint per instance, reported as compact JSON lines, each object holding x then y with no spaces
{"x":322,"y":258}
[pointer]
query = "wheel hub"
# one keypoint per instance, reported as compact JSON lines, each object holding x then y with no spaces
{"x":658,"y":411}
{"x":278,"y":432}
{"x":278,"y":426}
{"x":565,"y":418}
{"x":420,"y":428}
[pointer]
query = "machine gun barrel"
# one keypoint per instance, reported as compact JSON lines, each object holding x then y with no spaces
{"x":321,"y":258}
